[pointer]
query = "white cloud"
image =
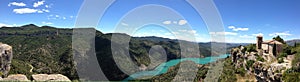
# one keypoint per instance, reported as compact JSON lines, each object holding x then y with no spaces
{"x":47,"y":6}
{"x":175,"y":33}
{"x":71,"y":17}
{"x":233,"y":39}
{"x":51,"y":17}
{"x":29,"y":10}
{"x":230,"y":33}
{"x":45,"y":10}
{"x":5,"y":25}
{"x":193,"y":31}
{"x":223,"y":33}
{"x":21,"y":4}
{"x":189,"y":31}
{"x":47,"y":23}
{"x":238,"y":29}
{"x":124,"y":24}
{"x":179,"y":22}
{"x":25,"y":10}
{"x":245,"y":36}
{"x":259,"y":34}
{"x":241,"y":29}
{"x":182,"y":22}
{"x":281,"y":34}
{"x":167,"y":22}
{"x":39,"y":3}
{"x":56,"y":17}
{"x":231,"y":27}
{"x":39,"y":11}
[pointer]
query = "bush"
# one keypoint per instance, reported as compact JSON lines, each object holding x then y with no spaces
{"x":249,"y":64}
{"x":228,"y":73}
{"x":280,"y":60}
{"x":291,"y":77}
{"x":296,"y":60}
{"x":241,"y":71}
{"x":251,"y":48}
{"x":282,"y":55}
{"x":259,"y":58}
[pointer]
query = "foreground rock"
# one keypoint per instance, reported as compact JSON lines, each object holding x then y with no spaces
{"x":6,"y":55}
{"x":263,"y":66}
{"x":51,"y":77}
{"x":15,"y":77}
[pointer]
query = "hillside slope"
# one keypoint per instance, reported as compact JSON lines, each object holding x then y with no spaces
{"x":49,"y":50}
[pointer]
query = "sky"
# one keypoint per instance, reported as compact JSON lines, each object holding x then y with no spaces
{"x":242,"y":20}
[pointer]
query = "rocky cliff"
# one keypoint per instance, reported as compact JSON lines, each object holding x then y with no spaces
{"x":6,"y":55}
{"x":263,"y":66}
{"x":36,"y":77}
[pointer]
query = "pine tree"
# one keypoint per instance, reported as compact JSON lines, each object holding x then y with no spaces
{"x":278,"y":38}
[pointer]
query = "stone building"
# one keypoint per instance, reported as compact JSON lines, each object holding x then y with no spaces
{"x":269,"y":46}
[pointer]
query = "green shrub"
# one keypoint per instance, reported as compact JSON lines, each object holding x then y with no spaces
{"x":291,"y":77}
{"x":251,"y":48}
{"x":280,"y":60}
{"x":249,"y":64}
{"x":282,"y":55}
{"x":228,"y":73}
{"x":241,"y":71}
{"x":259,"y":58}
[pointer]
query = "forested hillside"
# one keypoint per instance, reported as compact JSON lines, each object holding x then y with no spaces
{"x":49,"y":50}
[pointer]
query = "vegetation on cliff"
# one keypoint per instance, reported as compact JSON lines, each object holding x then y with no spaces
{"x":293,"y":74}
{"x":228,"y":74}
{"x":265,"y":66}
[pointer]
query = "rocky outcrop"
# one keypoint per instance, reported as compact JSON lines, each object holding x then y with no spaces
{"x":267,"y":74}
{"x":6,"y":55}
{"x":268,"y":70}
{"x":143,"y":67}
{"x":238,"y":56}
{"x":37,"y":77}
{"x":51,"y":77}
{"x":15,"y":77}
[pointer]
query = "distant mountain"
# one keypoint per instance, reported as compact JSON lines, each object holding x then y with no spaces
{"x":48,"y":50}
{"x":154,"y":38}
{"x":201,"y":44}
{"x":292,"y":42}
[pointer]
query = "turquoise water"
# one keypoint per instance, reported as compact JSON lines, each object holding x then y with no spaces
{"x":163,"y":67}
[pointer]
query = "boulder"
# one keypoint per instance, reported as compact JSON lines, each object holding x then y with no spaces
{"x":51,"y":77}
{"x":15,"y":77}
{"x":6,"y":55}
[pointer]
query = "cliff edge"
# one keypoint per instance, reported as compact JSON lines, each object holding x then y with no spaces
{"x":6,"y":55}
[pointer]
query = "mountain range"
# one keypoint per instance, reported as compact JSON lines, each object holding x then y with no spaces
{"x":49,"y":50}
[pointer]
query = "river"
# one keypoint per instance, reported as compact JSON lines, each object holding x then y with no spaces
{"x":163,"y":67}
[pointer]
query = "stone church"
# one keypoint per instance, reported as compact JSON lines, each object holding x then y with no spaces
{"x":272,"y":47}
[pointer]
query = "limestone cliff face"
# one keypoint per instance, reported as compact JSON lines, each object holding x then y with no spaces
{"x":6,"y":55}
{"x":268,"y":70}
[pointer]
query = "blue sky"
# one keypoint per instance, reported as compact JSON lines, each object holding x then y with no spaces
{"x":242,"y":19}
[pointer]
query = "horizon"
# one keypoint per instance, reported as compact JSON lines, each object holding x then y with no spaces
{"x":242,"y":20}
{"x":138,"y":36}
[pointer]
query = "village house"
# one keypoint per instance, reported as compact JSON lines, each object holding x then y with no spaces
{"x":271,"y":47}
